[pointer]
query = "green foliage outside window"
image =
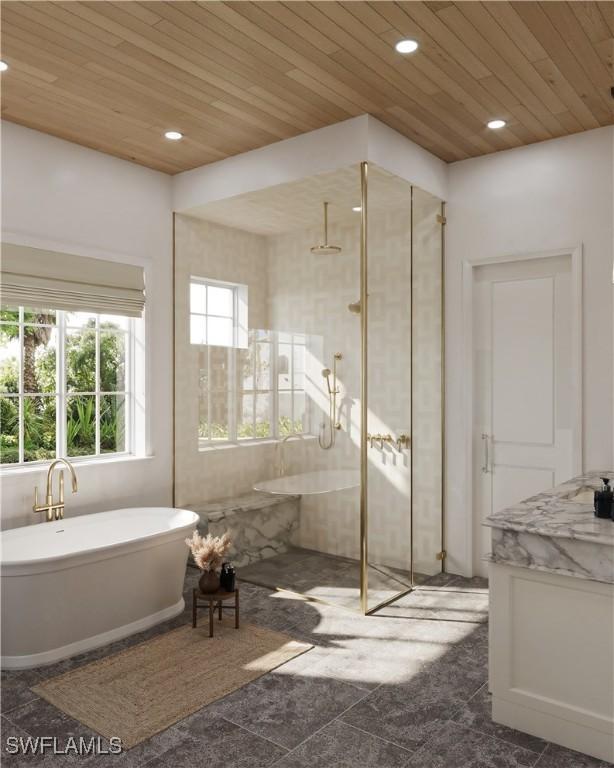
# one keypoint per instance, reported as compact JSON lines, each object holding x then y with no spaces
{"x":39,"y":377}
{"x":263,"y":429}
{"x":289,"y":427}
{"x":9,"y":430}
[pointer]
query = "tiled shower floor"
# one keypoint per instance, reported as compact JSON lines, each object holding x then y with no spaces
{"x":329,"y":578}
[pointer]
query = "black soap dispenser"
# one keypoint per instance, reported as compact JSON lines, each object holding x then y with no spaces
{"x":227,"y":577}
{"x":604,"y":500}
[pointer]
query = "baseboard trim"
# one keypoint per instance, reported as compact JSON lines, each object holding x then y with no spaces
{"x":568,"y":734}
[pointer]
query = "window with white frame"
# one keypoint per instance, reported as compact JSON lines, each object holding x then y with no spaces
{"x":65,"y":385}
{"x":255,"y":401}
{"x":214,"y":312}
{"x":291,"y":410}
{"x":251,"y":383}
{"x":254,"y":393}
{"x":216,"y":414}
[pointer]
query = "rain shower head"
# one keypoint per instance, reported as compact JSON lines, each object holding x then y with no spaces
{"x":325,"y":249}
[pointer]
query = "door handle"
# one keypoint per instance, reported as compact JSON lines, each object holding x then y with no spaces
{"x":485,"y":468}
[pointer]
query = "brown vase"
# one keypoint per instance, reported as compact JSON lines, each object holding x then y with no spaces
{"x":209,"y":582}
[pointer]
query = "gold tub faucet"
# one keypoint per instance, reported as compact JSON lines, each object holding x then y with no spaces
{"x":279,"y":449}
{"x":52,"y":509}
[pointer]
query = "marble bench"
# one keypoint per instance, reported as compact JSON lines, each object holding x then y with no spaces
{"x":261,"y":524}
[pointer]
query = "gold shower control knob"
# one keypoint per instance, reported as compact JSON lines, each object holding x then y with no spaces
{"x":403,"y":441}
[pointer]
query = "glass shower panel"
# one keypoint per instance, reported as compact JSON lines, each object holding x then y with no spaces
{"x":427,"y":385}
{"x":311,"y":289}
{"x":389,"y":339}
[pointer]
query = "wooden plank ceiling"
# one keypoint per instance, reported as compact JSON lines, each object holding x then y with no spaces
{"x":233,"y":76}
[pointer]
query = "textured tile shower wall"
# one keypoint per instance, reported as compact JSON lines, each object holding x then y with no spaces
{"x":310,"y":293}
{"x":291,"y":289}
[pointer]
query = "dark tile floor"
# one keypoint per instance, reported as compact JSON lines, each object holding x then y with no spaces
{"x":406,"y":687}
{"x":330,"y":578}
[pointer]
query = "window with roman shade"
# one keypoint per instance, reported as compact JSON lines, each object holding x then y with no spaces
{"x":68,"y":368}
{"x":33,"y":277}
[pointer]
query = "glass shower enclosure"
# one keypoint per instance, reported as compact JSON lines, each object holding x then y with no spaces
{"x":321,"y":373}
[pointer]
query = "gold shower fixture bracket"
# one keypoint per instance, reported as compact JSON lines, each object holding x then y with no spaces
{"x":325,"y":249}
{"x":355,"y":307}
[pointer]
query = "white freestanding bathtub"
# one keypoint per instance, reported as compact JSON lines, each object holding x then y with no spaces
{"x":79,"y":583}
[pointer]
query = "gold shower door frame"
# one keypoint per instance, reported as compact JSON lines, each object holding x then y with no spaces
{"x":364,"y":410}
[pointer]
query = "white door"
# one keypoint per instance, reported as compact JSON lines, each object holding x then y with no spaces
{"x":524,"y":396}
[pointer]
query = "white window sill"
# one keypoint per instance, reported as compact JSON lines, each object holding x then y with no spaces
{"x":43,"y":466}
{"x":206,"y":447}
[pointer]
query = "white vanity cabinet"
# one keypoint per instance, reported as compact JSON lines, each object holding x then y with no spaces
{"x":551,"y":653}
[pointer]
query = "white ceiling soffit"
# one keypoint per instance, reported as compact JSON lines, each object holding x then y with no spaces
{"x":298,"y":204}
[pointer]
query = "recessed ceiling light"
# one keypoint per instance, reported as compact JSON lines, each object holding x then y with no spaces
{"x":3,"y":66}
{"x":357,"y":208}
{"x":494,"y":124}
{"x":173,"y":135}
{"x":406,"y":46}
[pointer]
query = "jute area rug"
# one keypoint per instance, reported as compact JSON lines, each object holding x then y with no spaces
{"x":144,"y":689}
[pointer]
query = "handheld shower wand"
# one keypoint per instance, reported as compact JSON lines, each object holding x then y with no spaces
{"x":326,"y":375}
{"x":333,"y":391}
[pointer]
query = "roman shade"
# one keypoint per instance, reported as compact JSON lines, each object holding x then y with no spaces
{"x":35,"y":278}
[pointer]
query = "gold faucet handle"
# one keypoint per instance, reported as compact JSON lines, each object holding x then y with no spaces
{"x":40,"y":507}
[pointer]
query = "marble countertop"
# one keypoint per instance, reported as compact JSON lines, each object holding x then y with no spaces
{"x":553,"y":514}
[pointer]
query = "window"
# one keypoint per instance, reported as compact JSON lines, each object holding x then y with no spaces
{"x":213,"y":313}
{"x":251,"y":382}
{"x":64,"y":385}
{"x":253,"y":393}
{"x":216,"y":364}
{"x":291,"y":383}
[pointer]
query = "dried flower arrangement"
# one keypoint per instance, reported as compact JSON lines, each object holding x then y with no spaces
{"x":208,"y":552}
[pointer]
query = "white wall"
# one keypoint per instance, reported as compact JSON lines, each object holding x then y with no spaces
{"x":63,"y":197}
{"x":551,"y":195}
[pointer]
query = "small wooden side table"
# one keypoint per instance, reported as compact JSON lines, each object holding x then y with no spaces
{"x":213,"y":599}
